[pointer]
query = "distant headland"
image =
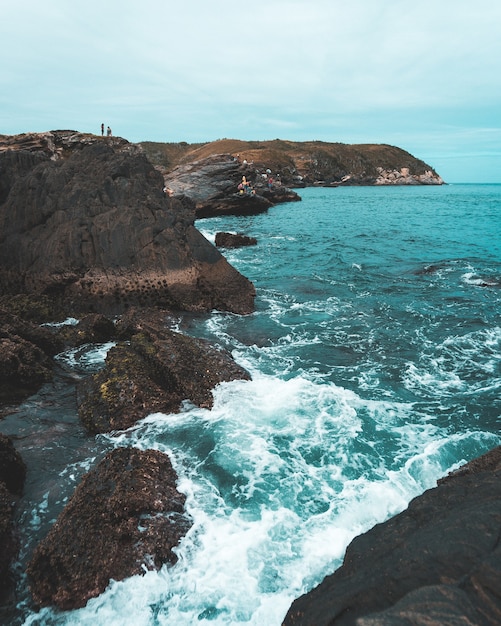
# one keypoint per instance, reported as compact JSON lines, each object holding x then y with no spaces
{"x":306,"y":163}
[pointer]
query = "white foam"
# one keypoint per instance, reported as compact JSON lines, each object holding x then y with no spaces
{"x":279,"y":477}
{"x":87,"y":356}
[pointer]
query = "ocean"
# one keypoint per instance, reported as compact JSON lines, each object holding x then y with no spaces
{"x":375,"y":355}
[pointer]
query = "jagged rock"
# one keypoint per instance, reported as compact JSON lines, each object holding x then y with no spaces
{"x":213,"y":184}
{"x":12,"y":478}
{"x":83,"y":219}
{"x":156,"y":370}
{"x":123,"y":519}
{"x":25,"y":362}
{"x":234,"y":240}
{"x":438,"y":562}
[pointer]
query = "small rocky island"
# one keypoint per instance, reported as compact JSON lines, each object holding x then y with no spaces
{"x":102,"y":230}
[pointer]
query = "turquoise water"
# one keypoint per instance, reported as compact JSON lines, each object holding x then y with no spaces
{"x":375,"y":354}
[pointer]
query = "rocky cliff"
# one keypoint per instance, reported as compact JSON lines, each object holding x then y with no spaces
{"x":83,"y":218}
{"x":221,"y":184}
{"x":298,"y":164}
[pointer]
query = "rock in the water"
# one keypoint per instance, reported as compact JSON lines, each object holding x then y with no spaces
{"x":83,"y":219}
{"x":156,"y":370}
{"x":123,"y":519}
{"x":25,"y":362}
{"x":12,"y":466}
{"x":234,"y":240}
{"x":436,"y":563}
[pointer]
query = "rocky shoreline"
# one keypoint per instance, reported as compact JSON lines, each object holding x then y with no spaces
{"x":87,"y":232}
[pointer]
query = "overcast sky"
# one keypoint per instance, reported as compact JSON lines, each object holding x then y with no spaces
{"x":425,"y":76}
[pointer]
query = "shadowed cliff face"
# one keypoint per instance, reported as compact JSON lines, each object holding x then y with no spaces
{"x":83,"y":218}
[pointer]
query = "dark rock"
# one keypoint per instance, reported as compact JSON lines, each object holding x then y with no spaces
{"x":12,"y":466}
{"x":234,"y":240}
{"x":438,"y":562}
{"x":8,"y":543}
{"x":92,"y":328}
{"x":123,"y":519}
{"x":12,"y":478}
{"x":25,"y":362}
{"x":83,"y":220}
{"x":156,"y":370}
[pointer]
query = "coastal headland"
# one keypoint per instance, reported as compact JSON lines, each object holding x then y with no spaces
{"x":101,"y":232}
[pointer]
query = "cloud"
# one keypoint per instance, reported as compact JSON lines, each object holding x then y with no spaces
{"x":325,"y":69}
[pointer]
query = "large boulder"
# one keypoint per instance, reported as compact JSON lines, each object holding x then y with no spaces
{"x":436,"y":563}
{"x":83,"y":219}
{"x":124,"y":518}
{"x":155,"y":370}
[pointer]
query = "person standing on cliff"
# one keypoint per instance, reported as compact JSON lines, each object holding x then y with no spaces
{"x":102,"y":130}
{"x":108,"y":132}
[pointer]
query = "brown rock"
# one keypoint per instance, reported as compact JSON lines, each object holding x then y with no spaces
{"x":83,"y":219}
{"x":25,"y":362}
{"x":154,"y":371}
{"x":12,"y":478}
{"x":123,"y":519}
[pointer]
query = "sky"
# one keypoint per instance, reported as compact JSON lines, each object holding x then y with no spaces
{"x":421,"y":75}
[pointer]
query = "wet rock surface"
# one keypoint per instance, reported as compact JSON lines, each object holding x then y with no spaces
{"x":436,"y":563}
{"x":123,"y":519}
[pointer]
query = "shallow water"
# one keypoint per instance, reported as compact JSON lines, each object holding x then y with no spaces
{"x":375,"y":354}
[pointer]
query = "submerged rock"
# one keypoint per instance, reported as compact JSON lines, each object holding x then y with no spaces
{"x":124,"y":518}
{"x":83,"y":219}
{"x":436,"y":563}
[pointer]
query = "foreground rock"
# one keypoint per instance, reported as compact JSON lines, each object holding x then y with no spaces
{"x":12,"y":477}
{"x":83,"y":219}
{"x":213,"y":183}
{"x":123,"y":519}
{"x":437,"y":563}
{"x":154,"y":371}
